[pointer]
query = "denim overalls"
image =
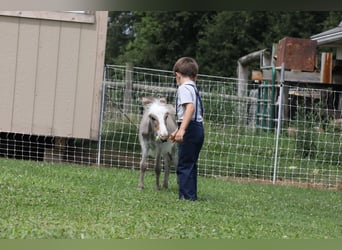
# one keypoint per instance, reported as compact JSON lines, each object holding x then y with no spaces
{"x":188,"y":152}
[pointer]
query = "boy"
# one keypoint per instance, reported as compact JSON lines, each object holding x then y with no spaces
{"x":190,"y":132}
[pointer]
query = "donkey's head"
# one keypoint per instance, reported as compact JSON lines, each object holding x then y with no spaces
{"x":157,"y":115}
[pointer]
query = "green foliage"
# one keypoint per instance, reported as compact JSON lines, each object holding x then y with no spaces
{"x":161,"y":37}
{"x":57,"y":201}
{"x":119,"y":34}
{"x":220,"y":112}
{"x":230,"y":36}
{"x":305,"y":143}
{"x":310,"y":123}
{"x":123,"y":131}
{"x":216,"y":39}
{"x":333,"y":19}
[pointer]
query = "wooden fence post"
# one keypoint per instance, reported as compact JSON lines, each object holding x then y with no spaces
{"x":127,"y":107}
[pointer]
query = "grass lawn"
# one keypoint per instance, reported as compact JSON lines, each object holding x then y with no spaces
{"x":60,"y":201}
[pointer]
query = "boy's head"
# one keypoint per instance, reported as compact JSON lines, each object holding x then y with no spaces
{"x":186,"y":66}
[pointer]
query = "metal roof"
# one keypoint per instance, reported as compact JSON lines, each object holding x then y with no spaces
{"x":329,"y":38}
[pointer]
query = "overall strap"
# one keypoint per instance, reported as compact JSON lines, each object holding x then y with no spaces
{"x":177,"y":104}
{"x":197,"y":99}
{"x":200,"y":100}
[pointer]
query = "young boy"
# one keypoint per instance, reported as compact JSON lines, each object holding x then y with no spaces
{"x":190,"y":132}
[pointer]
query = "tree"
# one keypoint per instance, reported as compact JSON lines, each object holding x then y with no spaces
{"x":301,"y":24}
{"x":217,"y":40}
{"x":119,"y":34}
{"x":333,"y":20}
{"x":162,"y":37}
{"x":223,"y":41}
{"x":232,"y":35}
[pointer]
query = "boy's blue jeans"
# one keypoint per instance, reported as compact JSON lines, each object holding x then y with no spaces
{"x":188,"y":152}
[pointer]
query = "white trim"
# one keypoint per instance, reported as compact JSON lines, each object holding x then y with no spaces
{"x":80,"y":17}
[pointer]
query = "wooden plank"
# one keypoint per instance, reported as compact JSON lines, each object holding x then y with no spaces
{"x":120,"y":85}
{"x":326,"y":67}
{"x":53,"y":15}
{"x":66,"y":79}
{"x":8,"y":53}
{"x":46,"y":77}
{"x":25,"y":76}
{"x":101,"y":27}
{"x":85,"y":82}
{"x":294,"y":76}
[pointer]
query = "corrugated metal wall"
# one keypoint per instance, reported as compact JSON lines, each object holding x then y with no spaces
{"x":50,"y":76}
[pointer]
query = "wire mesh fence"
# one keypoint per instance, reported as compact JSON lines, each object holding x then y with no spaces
{"x":240,"y":130}
{"x":241,"y":139}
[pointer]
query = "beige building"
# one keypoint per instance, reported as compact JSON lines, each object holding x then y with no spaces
{"x":51,"y":69}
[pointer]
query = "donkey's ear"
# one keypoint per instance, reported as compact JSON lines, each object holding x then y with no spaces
{"x":162,"y":100}
{"x":171,"y":123}
{"x":171,"y":109}
{"x":146,"y":100}
{"x":145,"y":125}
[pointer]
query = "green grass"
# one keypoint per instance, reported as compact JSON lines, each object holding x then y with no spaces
{"x":57,"y":201}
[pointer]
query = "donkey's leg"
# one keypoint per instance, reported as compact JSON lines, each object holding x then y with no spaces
{"x":167,"y":163}
{"x":175,"y":159}
{"x":157,"y":169}
{"x":143,"y":166}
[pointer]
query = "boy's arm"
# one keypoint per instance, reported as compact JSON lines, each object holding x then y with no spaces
{"x":189,"y":111}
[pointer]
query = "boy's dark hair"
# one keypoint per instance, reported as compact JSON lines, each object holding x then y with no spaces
{"x":187,"y":66}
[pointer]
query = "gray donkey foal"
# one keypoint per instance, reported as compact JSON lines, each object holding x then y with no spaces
{"x":157,"y":123}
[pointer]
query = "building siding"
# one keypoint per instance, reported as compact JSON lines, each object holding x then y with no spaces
{"x":50,"y":76}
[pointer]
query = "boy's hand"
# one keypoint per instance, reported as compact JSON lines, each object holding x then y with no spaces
{"x":179,"y":135}
{"x":172,"y":137}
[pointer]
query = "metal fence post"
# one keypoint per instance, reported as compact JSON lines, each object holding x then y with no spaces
{"x":127,"y":108}
{"x":101,"y":115}
{"x":281,"y":90}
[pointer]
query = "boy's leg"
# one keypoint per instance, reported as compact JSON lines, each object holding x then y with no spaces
{"x":188,"y":154}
